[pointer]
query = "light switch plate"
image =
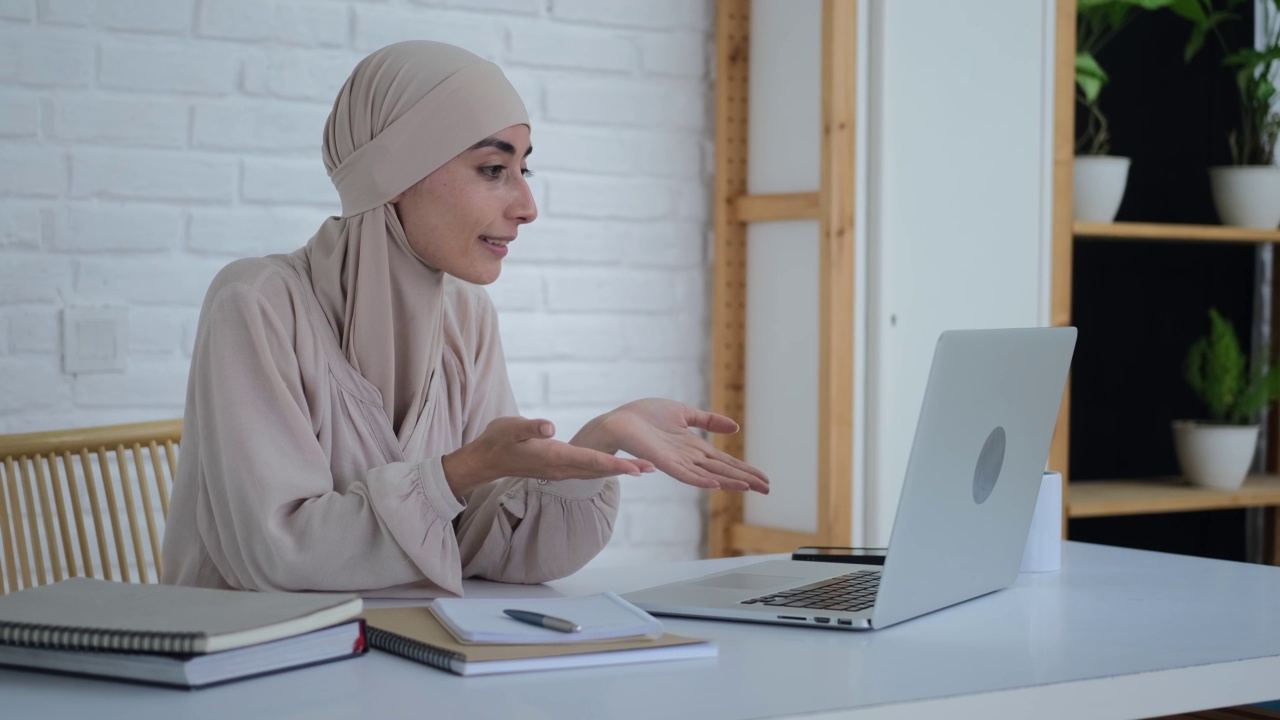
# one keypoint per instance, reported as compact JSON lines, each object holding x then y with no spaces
{"x":95,"y":339}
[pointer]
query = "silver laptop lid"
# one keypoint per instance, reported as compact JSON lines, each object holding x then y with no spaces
{"x":979,"y":451}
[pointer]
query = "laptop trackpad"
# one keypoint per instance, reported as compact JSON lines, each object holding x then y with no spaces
{"x":741,"y":581}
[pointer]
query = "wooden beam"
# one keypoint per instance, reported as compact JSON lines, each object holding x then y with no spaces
{"x":836,"y":272}
{"x":760,"y":540}
{"x":780,"y":206}
{"x":1104,"y":498}
{"x":1165,"y":232}
{"x":729,"y":278}
{"x":1062,"y":239}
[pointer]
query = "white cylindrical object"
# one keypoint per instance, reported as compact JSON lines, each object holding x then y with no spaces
{"x":1044,"y":540}
{"x":1098,"y":184}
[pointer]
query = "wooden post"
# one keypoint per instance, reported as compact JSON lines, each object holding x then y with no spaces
{"x":1063,"y":240}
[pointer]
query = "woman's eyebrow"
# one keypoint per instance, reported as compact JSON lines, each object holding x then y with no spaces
{"x":502,"y":145}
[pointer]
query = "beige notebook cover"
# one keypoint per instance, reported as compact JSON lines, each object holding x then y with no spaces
{"x":416,"y":633}
{"x":87,"y":614}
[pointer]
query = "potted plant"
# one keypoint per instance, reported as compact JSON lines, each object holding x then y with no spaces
{"x":1218,"y":453}
{"x":1099,"y":178}
{"x":1247,"y":192}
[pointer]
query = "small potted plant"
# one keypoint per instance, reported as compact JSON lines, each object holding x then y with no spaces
{"x":1217,"y":453}
{"x":1099,"y":179}
{"x":1247,"y":192}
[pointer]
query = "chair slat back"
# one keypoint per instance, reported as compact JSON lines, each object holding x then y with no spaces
{"x":49,"y":532}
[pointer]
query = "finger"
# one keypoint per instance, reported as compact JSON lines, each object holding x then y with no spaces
{"x":711,"y":422}
{"x":532,"y":428}
{"x":724,"y":470}
{"x":740,"y":465}
{"x":692,"y":475}
{"x":597,"y":463}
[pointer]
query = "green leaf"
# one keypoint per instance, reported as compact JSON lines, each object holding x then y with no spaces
{"x":1192,"y":10}
{"x":1090,"y":77}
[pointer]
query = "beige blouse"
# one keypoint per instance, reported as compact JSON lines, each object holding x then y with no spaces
{"x":292,"y":478}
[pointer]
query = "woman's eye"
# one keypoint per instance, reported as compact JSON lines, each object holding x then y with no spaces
{"x":493,"y":171}
{"x":526,"y":172}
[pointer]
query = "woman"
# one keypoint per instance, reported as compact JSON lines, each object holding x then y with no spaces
{"x":349,"y":422}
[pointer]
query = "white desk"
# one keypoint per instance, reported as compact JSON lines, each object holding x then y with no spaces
{"x":1116,"y":634}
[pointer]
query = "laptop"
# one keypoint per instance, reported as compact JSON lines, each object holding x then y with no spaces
{"x":973,"y":476}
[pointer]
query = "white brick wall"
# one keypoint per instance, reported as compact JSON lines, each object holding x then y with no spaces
{"x":145,"y":143}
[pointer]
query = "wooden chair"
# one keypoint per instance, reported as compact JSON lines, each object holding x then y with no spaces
{"x":53,"y":489}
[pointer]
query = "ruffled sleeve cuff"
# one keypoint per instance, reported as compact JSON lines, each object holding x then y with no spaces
{"x":415,"y":504}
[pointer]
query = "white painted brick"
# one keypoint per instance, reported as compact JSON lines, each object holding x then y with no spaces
{"x":517,"y":289}
{"x":614,"y":151}
{"x":520,"y":7}
{"x":377,"y":26}
{"x":34,"y":279}
{"x":650,"y":104}
{"x":683,"y":55}
{"x":658,"y":488}
{"x":4,"y":336}
{"x":145,"y":175}
{"x":146,"y":383}
{"x":168,"y":68}
{"x":693,"y":200}
{"x":528,"y":86}
{"x":648,"y":14}
{"x":171,"y":281}
{"x":32,"y":171}
{"x":528,"y":383}
{"x":559,"y":46}
{"x":45,"y":56}
{"x":619,"y":290}
{"x":21,"y":225}
{"x":608,"y":197}
{"x":560,"y":240}
{"x":67,"y":12}
{"x":156,"y":331}
{"x":121,"y":121}
{"x":189,"y":335}
{"x":115,"y":227}
{"x":251,"y":231}
{"x":157,"y":16}
{"x":66,"y":415}
{"x":288,"y":181}
{"x":19,"y":116}
{"x":275,"y":127}
{"x":663,"y":244}
{"x":675,"y":524}
{"x":664,"y":337}
{"x":35,"y":329}
{"x":18,"y":9}
{"x":529,"y":336}
{"x":27,"y":384}
{"x":298,"y":23}
{"x":611,"y":383}
{"x":298,"y":74}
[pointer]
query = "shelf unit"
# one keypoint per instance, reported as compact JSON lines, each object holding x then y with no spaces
{"x":1132,"y":496}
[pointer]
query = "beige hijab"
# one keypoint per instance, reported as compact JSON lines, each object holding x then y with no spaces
{"x":406,"y":110}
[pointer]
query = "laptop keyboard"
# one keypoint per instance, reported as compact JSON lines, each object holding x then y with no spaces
{"x":849,"y":593}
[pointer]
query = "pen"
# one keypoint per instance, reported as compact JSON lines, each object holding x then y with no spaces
{"x":546,"y":621}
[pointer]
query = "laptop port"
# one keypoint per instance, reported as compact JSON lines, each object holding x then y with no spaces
{"x":822,"y":620}
{"x":790,"y":617}
{"x":844,"y":621}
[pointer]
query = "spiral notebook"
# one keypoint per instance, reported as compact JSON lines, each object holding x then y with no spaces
{"x":88,"y":614}
{"x":417,"y":634}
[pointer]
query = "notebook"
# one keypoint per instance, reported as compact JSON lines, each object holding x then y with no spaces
{"x":88,"y":614}
{"x":196,"y":671}
{"x":417,"y":634}
{"x":603,"y":616}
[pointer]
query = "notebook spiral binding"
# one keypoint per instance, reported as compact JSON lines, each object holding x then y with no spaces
{"x":59,"y":637}
{"x":404,"y":647}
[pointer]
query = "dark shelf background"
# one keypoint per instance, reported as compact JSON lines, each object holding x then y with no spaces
{"x":1139,"y":305}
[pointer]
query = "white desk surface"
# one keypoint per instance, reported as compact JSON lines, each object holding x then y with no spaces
{"x":1116,"y":634}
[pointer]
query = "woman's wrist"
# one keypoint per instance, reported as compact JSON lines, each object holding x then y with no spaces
{"x":461,"y":472}
{"x":596,"y":435}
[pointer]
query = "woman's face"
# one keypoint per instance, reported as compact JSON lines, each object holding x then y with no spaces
{"x":460,"y":218}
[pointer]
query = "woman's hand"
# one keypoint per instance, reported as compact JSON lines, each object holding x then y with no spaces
{"x":659,"y":431}
{"x":522,"y":447}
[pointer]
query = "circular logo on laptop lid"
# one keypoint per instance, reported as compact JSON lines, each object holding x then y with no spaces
{"x":990,"y":461}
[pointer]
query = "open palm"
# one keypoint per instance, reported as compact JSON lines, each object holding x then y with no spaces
{"x":659,"y":431}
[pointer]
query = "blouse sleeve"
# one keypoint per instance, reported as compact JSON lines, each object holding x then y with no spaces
{"x":525,"y":530}
{"x":267,"y":510}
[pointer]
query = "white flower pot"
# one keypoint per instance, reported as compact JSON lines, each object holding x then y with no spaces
{"x":1247,"y":195}
{"x":1214,"y":456}
{"x":1098,"y":182}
